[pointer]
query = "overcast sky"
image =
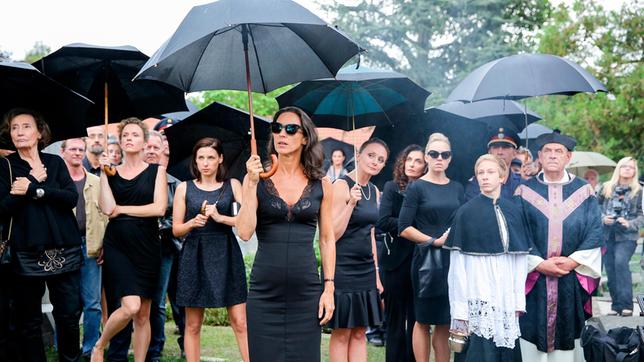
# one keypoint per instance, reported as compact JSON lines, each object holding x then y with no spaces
{"x":144,"y":24}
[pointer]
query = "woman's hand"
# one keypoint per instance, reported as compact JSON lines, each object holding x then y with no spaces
{"x":623,"y":222}
{"x":253,"y":168}
{"x":20,"y":186}
{"x":104,"y":160}
{"x":212,"y":212}
{"x":115,"y":212}
{"x":99,"y":259}
{"x":608,"y":220}
{"x":379,"y":286}
{"x":39,"y":173}
{"x":355,"y":195}
{"x":198,"y":221}
{"x":326,"y":306}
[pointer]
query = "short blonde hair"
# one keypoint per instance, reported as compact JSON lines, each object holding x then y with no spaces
{"x":136,"y":121}
{"x":503,"y":168}
{"x":437,"y":137}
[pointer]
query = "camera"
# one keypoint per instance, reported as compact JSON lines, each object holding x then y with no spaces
{"x":619,"y":207}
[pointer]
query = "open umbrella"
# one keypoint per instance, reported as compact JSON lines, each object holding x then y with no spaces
{"x":494,"y":112}
{"x":252,"y":45}
{"x":533,"y":131}
{"x":224,"y":122}
{"x":581,"y":161}
{"x":331,"y":144}
{"x":22,"y":85}
{"x":358,"y":97}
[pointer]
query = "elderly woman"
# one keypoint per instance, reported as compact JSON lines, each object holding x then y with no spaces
{"x":37,"y":204}
{"x":134,"y":198}
{"x":488,"y":267}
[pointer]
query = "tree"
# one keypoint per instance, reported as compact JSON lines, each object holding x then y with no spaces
{"x":610,"y":45}
{"x":263,"y":104}
{"x":437,"y":42}
{"x":38,"y":51}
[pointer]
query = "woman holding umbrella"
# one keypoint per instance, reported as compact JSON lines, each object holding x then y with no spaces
{"x":134,"y":198}
{"x":211,"y":268}
{"x":287,"y":304}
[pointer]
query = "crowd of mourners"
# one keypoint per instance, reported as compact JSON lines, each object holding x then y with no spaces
{"x":501,"y":268}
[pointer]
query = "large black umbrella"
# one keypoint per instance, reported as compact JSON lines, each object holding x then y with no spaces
{"x":226,"y":123}
{"x":493,"y":112}
{"x":64,"y":110}
{"x":525,"y":75}
{"x":104,"y":75}
{"x":358,"y":97}
{"x":253,"y":45}
{"x":331,"y":144}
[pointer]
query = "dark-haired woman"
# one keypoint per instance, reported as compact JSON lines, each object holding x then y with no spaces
{"x":358,"y":287}
{"x":287,"y":304}
{"x":396,"y":258}
{"x":211,"y":268}
{"x":36,"y":208}
{"x":336,"y":169}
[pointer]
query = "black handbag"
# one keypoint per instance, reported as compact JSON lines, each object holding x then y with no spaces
{"x":48,"y":262}
{"x":431,"y":275}
{"x":618,"y":345}
{"x":5,"y":250}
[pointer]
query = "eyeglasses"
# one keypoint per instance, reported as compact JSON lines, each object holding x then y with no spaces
{"x":444,"y":155}
{"x":290,"y":129}
{"x":74,"y":149}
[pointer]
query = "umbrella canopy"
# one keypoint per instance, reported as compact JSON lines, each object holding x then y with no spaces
{"x":87,"y":69}
{"x":529,"y":136}
{"x":226,"y":123}
{"x":286,"y":44}
{"x":494,"y":112}
{"x":581,"y":161}
{"x":331,"y":144}
{"x":525,"y":75}
{"x":64,"y":110}
{"x":358,"y":97}
{"x":181,"y":115}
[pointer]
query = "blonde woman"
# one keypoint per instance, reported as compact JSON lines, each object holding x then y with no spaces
{"x":424,"y":219}
{"x":621,"y":204}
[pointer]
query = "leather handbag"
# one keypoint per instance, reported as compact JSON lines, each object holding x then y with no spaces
{"x":5,"y":250}
{"x":431,"y":274}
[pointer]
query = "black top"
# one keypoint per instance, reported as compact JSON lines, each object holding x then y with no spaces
{"x":390,"y":205}
{"x":222,"y":197}
{"x":429,"y":206}
{"x":476,"y":228}
{"x":45,"y":223}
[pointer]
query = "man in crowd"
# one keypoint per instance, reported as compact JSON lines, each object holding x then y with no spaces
{"x":502,"y":144}
{"x":95,"y":147}
{"x":91,"y":224}
{"x":565,"y":263}
{"x":114,"y":152}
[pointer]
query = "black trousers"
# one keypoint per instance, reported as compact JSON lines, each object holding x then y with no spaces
{"x":399,"y":312}
{"x":64,"y":294}
{"x":8,"y":350}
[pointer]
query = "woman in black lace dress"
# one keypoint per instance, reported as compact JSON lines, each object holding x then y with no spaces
{"x":357,"y":282}
{"x":287,"y":303}
{"x":211,"y":268}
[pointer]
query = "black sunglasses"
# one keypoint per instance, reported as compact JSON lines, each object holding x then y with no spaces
{"x":444,"y":155}
{"x":290,"y":129}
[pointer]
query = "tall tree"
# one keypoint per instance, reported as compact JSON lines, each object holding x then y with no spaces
{"x":38,"y":51}
{"x":438,"y":42}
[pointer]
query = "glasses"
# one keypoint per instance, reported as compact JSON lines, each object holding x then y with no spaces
{"x":444,"y":155}
{"x":74,"y":149}
{"x":290,"y":129}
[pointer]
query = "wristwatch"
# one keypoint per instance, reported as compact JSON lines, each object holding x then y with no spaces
{"x":40,"y":193}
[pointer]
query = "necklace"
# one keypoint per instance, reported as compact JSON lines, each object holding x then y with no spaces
{"x":363,"y":194}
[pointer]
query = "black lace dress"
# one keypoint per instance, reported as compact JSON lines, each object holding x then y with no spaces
{"x":285,"y":286}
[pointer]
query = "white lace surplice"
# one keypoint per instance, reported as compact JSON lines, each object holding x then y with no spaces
{"x":487,"y":290}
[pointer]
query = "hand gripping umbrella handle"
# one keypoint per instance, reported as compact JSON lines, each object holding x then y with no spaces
{"x":269,"y":173}
{"x":109,"y":170}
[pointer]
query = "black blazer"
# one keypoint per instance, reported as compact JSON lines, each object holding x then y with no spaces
{"x":397,"y":249}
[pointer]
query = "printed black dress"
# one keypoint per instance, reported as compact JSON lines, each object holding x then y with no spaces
{"x":285,"y":286}
{"x":211,"y":271}
{"x":357,"y":301}
{"x":131,"y":247}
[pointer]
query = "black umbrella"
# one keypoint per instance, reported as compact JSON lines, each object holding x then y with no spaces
{"x":64,"y":110}
{"x":181,"y":115}
{"x":358,"y":97}
{"x":525,"y":75}
{"x":253,"y":45}
{"x":494,"y":112}
{"x":226,"y":123}
{"x":331,"y":144}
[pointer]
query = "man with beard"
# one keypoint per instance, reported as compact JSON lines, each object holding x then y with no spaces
{"x":95,"y":148}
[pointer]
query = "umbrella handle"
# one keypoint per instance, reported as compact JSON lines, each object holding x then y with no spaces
{"x":274,"y":161}
{"x":109,"y":170}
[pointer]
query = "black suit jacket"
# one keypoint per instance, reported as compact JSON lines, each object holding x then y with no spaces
{"x":397,"y":249}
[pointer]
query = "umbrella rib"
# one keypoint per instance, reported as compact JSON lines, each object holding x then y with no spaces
{"x":259,"y":66}
{"x":192,"y":78}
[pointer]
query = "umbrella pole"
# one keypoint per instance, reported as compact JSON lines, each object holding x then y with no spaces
{"x":525,"y":117}
{"x":109,"y":170}
{"x":253,"y":141}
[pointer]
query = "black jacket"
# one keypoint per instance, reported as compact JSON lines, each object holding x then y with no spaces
{"x":397,"y":249}
{"x":45,"y":223}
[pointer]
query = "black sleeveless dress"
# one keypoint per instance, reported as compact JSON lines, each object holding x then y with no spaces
{"x":211,"y":271}
{"x":131,"y":247}
{"x":285,"y":286}
{"x":357,"y":302}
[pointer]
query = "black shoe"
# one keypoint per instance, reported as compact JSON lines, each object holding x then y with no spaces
{"x":376,"y":340}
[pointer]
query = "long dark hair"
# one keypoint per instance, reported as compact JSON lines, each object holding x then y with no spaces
{"x":41,"y":125}
{"x":400,"y":178}
{"x":312,"y":155}
{"x":216,"y":145}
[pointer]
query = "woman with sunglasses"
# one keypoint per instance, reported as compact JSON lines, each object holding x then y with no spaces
{"x":211,"y":271}
{"x":424,"y":219}
{"x":396,"y":259}
{"x":355,"y":212}
{"x":287,"y":303}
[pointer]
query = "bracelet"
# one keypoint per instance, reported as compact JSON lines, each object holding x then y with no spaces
{"x":377,"y":268}
{"x":328,"y":280}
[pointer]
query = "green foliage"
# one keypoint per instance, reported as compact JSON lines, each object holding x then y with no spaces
{"x":437,"y":42}
{"x":609,"y":45}
{"x":38,"y":51}
{"x":263,"y":104}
